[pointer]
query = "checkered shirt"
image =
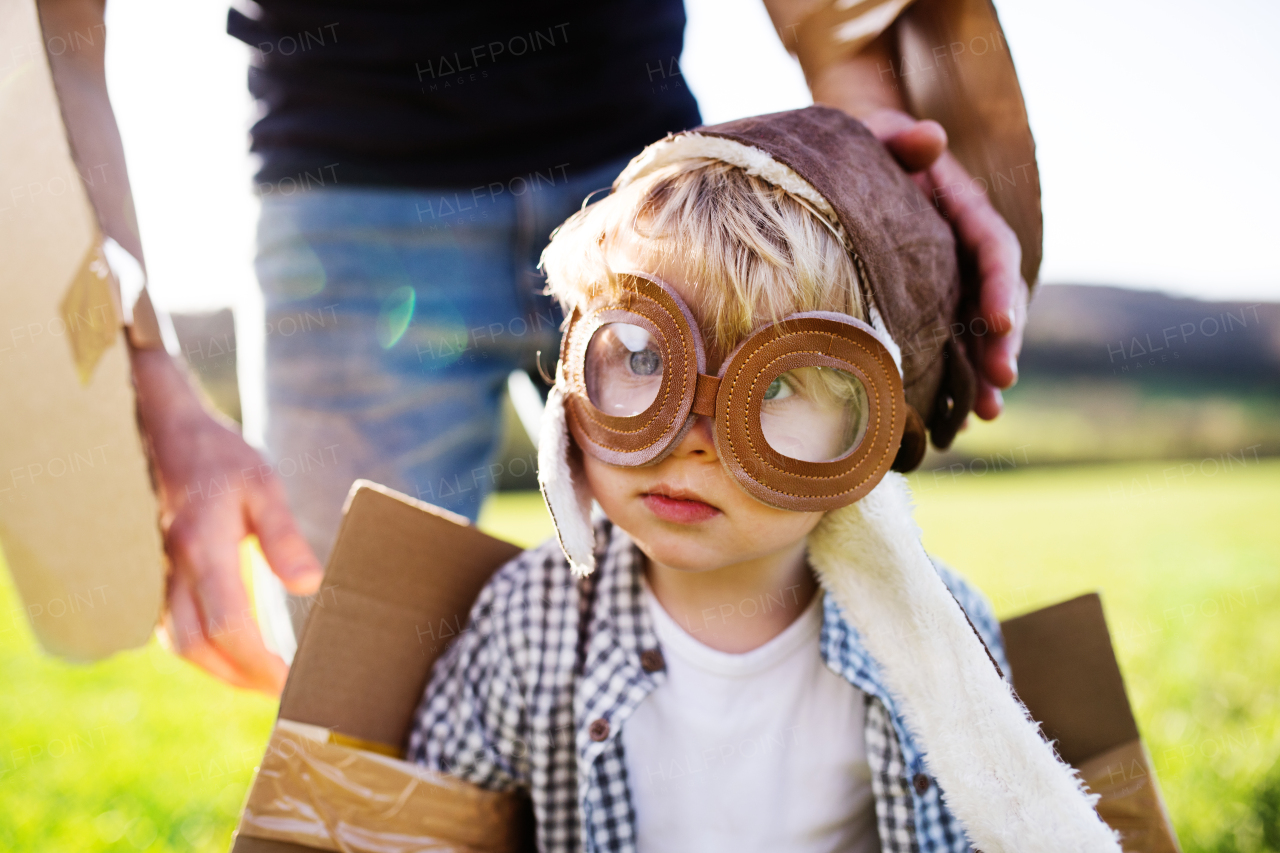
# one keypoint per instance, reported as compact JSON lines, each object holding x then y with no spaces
{"x":549,"y":660}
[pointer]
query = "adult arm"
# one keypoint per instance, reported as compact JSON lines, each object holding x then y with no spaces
{"x":212,"y":488}
{"x":858,"y":84}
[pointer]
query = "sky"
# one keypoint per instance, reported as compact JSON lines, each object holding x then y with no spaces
{"x":1156,"y":136}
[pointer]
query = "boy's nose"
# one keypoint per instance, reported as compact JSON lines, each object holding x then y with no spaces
{"x":699,"y":441}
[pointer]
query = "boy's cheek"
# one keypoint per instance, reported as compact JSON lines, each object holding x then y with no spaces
{"x":605,"y":483}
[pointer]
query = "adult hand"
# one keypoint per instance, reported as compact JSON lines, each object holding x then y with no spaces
{"x":214,"y":491}
{"x":988,"y":247}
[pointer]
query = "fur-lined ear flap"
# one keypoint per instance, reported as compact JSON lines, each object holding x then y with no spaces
{"x":564,"y":487}
{"x":998,"y":775}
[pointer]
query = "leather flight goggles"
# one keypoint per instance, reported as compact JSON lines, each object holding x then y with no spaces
{"x":808,"y":413}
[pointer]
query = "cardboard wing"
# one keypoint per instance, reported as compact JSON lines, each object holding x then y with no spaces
{"x":78,"y":517}
{"x":949,"y":63}
{"x":1065,"y":672}
{"x":962,"y":76}
{"x":399,"y":587}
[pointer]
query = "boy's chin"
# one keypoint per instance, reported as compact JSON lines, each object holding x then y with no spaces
{"x":680,"y":551}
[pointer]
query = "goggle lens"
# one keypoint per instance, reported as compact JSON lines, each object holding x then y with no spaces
{"x":814,"y":414}
{"x":623,"y":370}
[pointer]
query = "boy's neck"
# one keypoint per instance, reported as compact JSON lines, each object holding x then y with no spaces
{"x":737,"y":608}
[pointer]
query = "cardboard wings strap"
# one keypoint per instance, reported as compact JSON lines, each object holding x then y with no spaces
{"x":399,"y":587}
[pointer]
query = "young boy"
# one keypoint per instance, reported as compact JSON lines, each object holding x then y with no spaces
{"x":749,"y":651}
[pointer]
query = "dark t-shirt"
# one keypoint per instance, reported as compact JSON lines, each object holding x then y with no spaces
{"x":460,"y":93}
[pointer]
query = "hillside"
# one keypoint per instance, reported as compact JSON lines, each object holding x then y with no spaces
{"x":1088,"y":331}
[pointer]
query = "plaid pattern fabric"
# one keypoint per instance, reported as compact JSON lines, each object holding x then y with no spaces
{"x":534,"y":693}
{"x":889,"y":782}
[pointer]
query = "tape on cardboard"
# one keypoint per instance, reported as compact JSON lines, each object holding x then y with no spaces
{"x":107,"y":291}
{"x":315,"y":792}
{"x":145,"y":326}
{"x":90,"y":311}
{"x":1129,"y":798}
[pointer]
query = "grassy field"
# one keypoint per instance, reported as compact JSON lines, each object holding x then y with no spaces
{"x":144,"y":753}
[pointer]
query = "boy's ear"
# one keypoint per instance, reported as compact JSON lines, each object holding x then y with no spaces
{"x":564,"y":486}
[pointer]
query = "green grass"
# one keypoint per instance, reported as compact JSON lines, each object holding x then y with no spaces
{"x":144,"y":753}
{"x":1187,"y":567}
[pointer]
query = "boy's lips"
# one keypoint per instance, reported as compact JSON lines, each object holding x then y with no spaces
{"x":678,"y":506}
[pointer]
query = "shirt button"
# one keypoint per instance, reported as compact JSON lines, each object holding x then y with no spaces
{"x":921,"y":783}
{"x":651,"y":660}
{"x":599,"y":730}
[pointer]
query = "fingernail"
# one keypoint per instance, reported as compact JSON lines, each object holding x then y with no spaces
{"x":1013,"y":370}
{"x":306,"y":578}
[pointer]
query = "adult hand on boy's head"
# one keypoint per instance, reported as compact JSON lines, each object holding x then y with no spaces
{"x":215,"y":490}
{"x":988,"y":247}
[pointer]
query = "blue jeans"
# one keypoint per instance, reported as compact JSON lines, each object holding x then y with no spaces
{"x":393,"y":318}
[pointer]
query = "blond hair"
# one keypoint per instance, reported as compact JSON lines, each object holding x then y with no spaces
{"x":753,"y":252}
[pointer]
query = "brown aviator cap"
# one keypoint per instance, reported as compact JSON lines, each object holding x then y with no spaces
{"x":904,"y":250}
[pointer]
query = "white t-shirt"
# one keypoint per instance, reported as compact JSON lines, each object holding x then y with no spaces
{"x":744,"y":752}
